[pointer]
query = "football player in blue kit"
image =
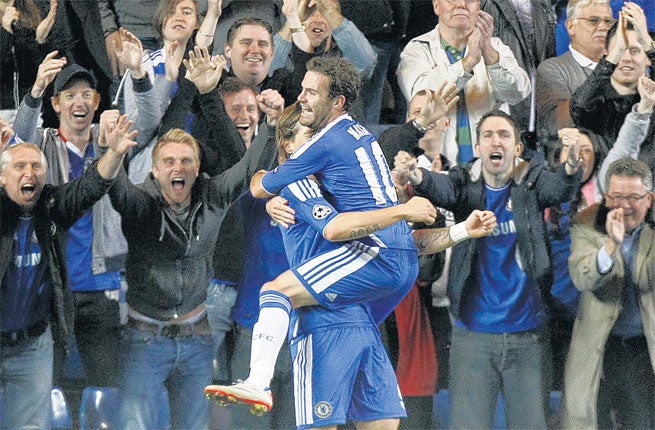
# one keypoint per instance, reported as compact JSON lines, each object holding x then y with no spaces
{"x":331,"y":388}
{"x":326,"y":392}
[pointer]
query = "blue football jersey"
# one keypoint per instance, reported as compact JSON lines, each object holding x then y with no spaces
{"x":305,"y":239}
{"x":349,"y":164}
{"x":505,"y":300}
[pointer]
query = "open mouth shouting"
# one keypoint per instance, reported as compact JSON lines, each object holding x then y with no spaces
{"x":496,"y":157}
{"x":178,"y":184}
{"x":28,"y":191}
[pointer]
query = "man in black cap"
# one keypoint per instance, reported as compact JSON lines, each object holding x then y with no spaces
{"x":96,"y":247}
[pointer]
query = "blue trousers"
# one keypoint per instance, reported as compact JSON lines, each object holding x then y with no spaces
{"x":183,"y":365}
{"x":25,"y":383}
{"x":219,"y":303}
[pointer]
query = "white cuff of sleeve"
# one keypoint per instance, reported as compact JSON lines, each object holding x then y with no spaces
{"x":604,"y":261}
{"x":458,"y":232}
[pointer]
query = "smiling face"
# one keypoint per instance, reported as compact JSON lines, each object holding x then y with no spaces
{"x":242,"y":109}
{"x":317,"y":107}
{"x":498,"y":148}
{"x":181,"y":21}
{"x":76,"y":106}
{"x":635,"y":208}
{"x":250,"y":54}
{"x":23,"y":174}
{"x":631,"y":67}
{"x":176,"y":167}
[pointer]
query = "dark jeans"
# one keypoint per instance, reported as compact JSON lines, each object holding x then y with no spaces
{"x":625,"y":397}
{"x":97,"y":332}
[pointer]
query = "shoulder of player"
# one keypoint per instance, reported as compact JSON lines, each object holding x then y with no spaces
{"x":302,"y":190}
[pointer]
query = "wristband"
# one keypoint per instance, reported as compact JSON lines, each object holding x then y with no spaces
{"x":458,"y":232}
{"x":295,"y":30}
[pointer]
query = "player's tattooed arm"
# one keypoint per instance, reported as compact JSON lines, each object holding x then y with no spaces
{"x":364,"y":231}
{"x":432,"y":240}
{"x":353,"y":225}
{"x":478,"y":224}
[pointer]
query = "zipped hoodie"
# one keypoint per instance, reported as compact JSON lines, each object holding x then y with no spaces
{"x":169,"y":266}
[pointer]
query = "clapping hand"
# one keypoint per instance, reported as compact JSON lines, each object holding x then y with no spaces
{"x":646,"y":89}
{"x":44,"y":27}
{"x":615,"y":227}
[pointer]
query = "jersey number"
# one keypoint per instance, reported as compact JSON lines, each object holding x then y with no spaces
{"x":373,"y":179}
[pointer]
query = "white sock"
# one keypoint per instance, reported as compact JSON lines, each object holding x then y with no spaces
{"x":268,"y":336}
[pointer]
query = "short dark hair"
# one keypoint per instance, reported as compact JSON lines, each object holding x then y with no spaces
{"x":248,"y":20}
{"x":501,"y":114}
{"x":232,"y":85}
{"x":631,"y":168}
{"x":344,"y":79}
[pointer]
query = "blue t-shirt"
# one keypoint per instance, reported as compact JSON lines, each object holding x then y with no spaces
{"x":26,"y":288}
{"x":354,"y":176}
{"x":505,"y":299}
{"x":79,"y":246}
{"x":265,"y":258}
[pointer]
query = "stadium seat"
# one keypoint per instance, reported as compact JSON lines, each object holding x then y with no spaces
{"x":60,"y":414}
{"x":98,"y":408}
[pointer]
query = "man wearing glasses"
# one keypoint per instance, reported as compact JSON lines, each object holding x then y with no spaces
{"x":559,"y":77}
{"x":609,"y":371}
{"x":461,"y":49}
